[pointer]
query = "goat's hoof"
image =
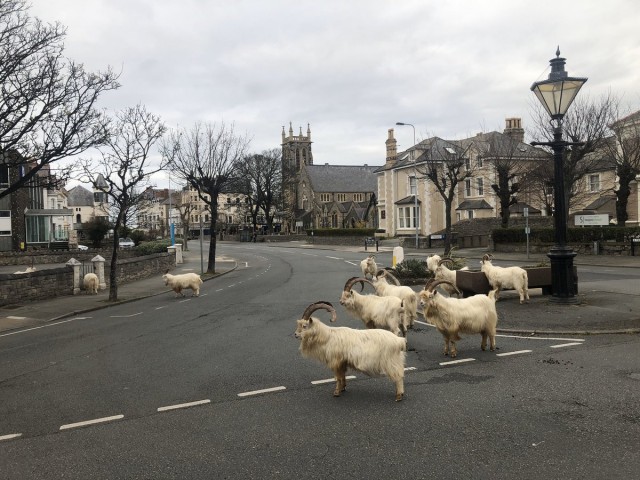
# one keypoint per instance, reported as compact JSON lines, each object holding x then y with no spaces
{"x":399,"y":397}
{"x":336,"y":394}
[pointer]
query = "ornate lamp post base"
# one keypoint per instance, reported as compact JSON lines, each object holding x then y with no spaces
{"x":563,"y":281}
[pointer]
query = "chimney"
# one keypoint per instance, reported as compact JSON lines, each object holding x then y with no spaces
{"x":392,"y":149}
{"x":514,"y":129}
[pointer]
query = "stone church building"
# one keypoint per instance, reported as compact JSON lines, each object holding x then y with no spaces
{"x":324,"y":196}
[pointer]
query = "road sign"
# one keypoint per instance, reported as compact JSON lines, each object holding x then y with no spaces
{"x":591,"y":220}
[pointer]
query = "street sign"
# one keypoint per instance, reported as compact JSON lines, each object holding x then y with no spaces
{"x":527,"y":230}
{"x":525,"y":211}
{"x":591,"y":220}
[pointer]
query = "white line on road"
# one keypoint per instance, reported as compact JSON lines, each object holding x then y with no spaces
{"x":16,"y":318}
{"x":220,"y":289}
{"x":424,"y":323}
{"x":352,"y":263}
{"x":160,"y":308}
{"x":566,"y":345}
{"x":183,"y":405}
{"x":408,"y":369}
{"x":91,"y":422}
{"x":464,"y":360}
{"x":43,"y":326}
{"x":258,"y":392}
{"x":331,"y":380}
{"x":309,"y":254}
{"x":334,"y":258}
{"x":531,"y":337}
{"x":127,"y":316}
{"x":506,"y":354}
{"x":9,"y":437}
{"x":185,"y":300}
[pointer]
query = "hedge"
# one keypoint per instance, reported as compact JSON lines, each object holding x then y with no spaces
{"x":574,"y":235}
{"x":342,"y":232}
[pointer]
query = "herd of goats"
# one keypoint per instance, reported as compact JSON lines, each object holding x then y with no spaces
{"x":380,"y":349}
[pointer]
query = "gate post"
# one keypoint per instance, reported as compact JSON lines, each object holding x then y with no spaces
{"x":98,"y":268}
{"x":75,"y":264}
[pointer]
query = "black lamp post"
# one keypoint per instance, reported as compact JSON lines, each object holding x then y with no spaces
{"x":556,"y":95}
{"x":415,"y":173}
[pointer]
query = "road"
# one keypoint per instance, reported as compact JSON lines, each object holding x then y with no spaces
{"x":214,"y":387}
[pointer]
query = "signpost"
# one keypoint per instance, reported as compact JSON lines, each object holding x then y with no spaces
{"x":527,"y":230}
{"x":591,"y":220}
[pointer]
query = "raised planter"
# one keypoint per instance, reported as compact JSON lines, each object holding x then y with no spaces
{"x":471,"y":282}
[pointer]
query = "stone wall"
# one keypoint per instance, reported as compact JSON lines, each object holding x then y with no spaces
{"x":58,"y":281}
{"x":47,"y":257}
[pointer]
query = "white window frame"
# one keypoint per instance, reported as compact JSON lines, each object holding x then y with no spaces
{"x":407,"y":217}
{"x":5,"y":223}
{"x":594,"y":183}
{"x":480,"y":186}
{"x":413,"y":185}
{"x":467,"y":187}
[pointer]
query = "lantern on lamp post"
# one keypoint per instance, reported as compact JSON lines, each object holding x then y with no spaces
{"x":556,"y":95}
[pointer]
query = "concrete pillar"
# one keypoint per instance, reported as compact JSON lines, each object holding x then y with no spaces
{"x":398,"y":256}
{"x":178,"y":253}
{"x":98,"y":268}
{"x":75,"y":264}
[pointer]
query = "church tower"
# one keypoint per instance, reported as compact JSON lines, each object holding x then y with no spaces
{"x":296,"y":153}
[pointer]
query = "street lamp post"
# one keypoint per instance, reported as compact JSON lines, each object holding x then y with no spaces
{"x":556,"y":95}
{"x":415,"y":173}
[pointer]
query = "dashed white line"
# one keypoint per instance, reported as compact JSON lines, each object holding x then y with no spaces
{"x":44,"y":326}
{"x":566,"y":345}
{"x":183,"y":405}
{"x":463,"y":360}
{"x":12,"y":317}
{"x":506,"y":354}
{"x":531,"y":337}
{"x":220,"y":290}
{"x":408,"y":369}
{"x":265,"y":390}
{"x":91,"y":422}
{"x":9,"y":437}
{"x":160,"y":308}
{"x":331,"y":380}
{"x":334,"y":258}
{"x":126,"y":316}
{"x":185,"y":300}
{"x":352,"y":263}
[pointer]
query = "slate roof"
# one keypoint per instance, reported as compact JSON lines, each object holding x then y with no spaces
{"x":520,"y":206}
{"x":79,"y":196}
{"x":342,"y":178}
{"x":474,"y":205}
{"x":410,"y":200}
{"x":599,"y":203}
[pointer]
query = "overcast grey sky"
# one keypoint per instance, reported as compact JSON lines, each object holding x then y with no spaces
{"x":351,"y":69}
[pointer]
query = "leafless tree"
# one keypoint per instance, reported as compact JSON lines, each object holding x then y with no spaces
{"x":48,"y":108}
{"x":445,"y":164}
{"x":587,"y":123}
{"x":623,"y":149}
{"x":207,"y":158}
{"x":125,"y":166}
{"x":262,"y":178}
{"x":512,"y":162}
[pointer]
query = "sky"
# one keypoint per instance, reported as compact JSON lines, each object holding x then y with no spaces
{"x":349,"y":69}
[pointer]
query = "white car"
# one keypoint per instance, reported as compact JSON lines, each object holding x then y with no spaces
{"x":126,"y":243}
{"x":83,"y":247}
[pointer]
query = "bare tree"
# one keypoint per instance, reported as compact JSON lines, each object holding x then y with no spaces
{"x":125,"y":167}
{"x":623,"y":149}
{"x":207,"y":158}
{"x":445,"y":164}
{"x":512,"y":161}
{"x":587,"y":123}
{"x":262,"y":177}
{"x":47,"y":112}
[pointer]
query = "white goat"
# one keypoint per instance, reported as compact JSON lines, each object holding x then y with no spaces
{"x":406,"y":294}
{"x":374,"y":311}
{"x":506,"y":278}
{"x":27,"y":270}
{"x":90,"y":282}
{"x":183,"y":282}
{"x":373,"y":352}
{"x":442,"y":272}
{"x":433,"y":262}
{"x":452,"y":316}
{"x":368,"y":266}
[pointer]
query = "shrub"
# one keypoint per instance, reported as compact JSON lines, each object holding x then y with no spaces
{"x":342,"y":232}
{"x":156,"y":246}
{"x":412,"y":268}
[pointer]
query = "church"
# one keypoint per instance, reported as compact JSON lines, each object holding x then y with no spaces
{"x":324,"y":196}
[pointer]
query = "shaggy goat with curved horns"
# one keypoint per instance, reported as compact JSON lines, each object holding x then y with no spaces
{"x":373,"y":352}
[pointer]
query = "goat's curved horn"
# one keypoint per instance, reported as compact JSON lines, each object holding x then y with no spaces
{"x":372,"y":255}
{"x":321,"y":305}
{"x":486,"y":257}
{"x":353,"y":280}
{"x":392,"y":277}
{"x":381,"y":272}
{"x":429,"y":282}
{"x":431,"y":286}
{"x":446,"y":260}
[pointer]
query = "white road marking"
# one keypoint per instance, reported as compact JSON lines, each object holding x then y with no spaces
{"x":334,"y":258}
{"x":9,"y":437}
{"x":506,"y":354}
{"x":355,"y":264}
{"x":309,"y":254}
{"x":159,"y":308}
{"x":16,"y":318}
{"x":425,"y":323}
{"x":127,"y":316}
{"x":331,"y":380}
{"x":566,"y":345}
{"x":43,"y":326}
{"x":183,"y":405}
{"x":220,"y":289}
{"x":407,"y":369}
{"x":258,"y":392}
{"x":531,"y":337}
{"x":185,"y":300}
{"x":464,"y":360}
{"x":91,"y":422}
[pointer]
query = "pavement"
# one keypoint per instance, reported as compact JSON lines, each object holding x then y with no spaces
{"x":612,"y":310}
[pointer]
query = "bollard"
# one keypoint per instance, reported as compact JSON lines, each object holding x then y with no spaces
{"x":398,"y":256}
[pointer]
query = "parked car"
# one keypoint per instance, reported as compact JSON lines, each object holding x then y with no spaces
{"x":126,"y":243}
{"x":83,"y":247}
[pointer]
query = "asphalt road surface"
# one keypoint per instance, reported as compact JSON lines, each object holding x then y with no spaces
{"x":214,"y":387}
